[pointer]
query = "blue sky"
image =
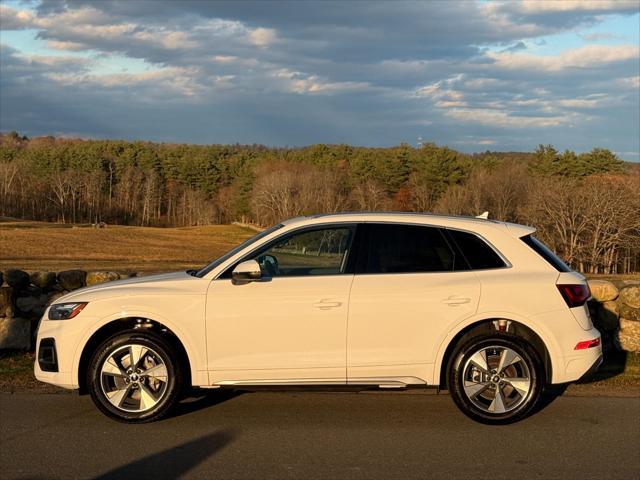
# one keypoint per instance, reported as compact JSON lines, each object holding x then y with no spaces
{"x":473,"y":75}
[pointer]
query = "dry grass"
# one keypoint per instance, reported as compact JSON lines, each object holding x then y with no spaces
{"x":48,"y":246}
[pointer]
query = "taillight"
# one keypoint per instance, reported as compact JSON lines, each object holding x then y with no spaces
{"x":574,"y":295}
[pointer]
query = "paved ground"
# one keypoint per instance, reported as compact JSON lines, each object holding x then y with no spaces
{"x":318,"y":435}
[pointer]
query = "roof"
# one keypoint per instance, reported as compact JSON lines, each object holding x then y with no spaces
{"x":427,"y":218}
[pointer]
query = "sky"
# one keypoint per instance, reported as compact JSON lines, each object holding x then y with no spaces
{"x":474,"y":75}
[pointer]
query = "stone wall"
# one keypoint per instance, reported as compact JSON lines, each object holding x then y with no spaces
{"x":615,"y":307}
{"x":615,"y":311}
{"x":24,"y":298}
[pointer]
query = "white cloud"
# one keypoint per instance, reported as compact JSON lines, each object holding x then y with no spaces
{"x":503,"y":119}
{"x":169,"y":39}
{"x":539,"y":6}
{"x":582,"y":57}
{"x":181,"y":81}
{"x":299,"y":82}
{"x":62,"y":45}
{"x":13,"y":19}
{"x":262,"y":37}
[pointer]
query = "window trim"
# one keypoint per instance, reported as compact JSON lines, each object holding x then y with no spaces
{"x":348,"y":265}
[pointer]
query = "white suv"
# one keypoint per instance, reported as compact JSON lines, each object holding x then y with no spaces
{"x":388,"y":300}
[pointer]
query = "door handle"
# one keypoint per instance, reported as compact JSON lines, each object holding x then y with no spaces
{"x":326,"y":304}
{"x":454,"y":301}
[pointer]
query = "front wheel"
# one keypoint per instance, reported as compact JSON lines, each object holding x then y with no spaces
{"x":134,"y":378}
{"x":496,"y":379}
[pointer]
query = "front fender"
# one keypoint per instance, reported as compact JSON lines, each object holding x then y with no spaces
{"x":196,"y":352}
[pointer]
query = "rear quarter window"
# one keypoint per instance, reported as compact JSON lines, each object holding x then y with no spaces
{"x":478,"y":254}
{"x":546,"y":253}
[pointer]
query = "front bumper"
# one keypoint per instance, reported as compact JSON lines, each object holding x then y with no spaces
{"x":58,"y":365}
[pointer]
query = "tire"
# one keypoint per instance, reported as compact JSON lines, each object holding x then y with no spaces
{"x":142,"y":394}
{"x":477,"y":373}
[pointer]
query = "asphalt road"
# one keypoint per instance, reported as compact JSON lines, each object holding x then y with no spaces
{"x":318,"y":435}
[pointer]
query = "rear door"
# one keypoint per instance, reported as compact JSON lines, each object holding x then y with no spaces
{"x":410,"y":288}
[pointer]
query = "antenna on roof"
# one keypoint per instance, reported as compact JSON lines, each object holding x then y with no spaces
{"x":483,"y":215}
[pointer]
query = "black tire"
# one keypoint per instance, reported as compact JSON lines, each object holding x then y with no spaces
{"x":156,"y":352}
{"x":478,"y":398}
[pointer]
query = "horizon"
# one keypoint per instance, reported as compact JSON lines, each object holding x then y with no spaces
{"x":300,"y":147}
{"x":475,"y":76}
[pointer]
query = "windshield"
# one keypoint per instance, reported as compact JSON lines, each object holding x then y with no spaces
{"x":232,"y":252}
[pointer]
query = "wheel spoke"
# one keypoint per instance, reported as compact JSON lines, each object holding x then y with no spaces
{"x":136,"y":353}
{"x":497,"y":406}
{"x":522,"y":385}
{"x":507,"y":357}
{"x":472,"y":389}
{"x":147,"y":398}
{"x":479,"y":359}
{"x":110,"y":367}
{"x":117,"y":397}
{"x":159,"y":372}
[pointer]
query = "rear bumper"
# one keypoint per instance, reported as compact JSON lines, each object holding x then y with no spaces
{"x":576,"y":364}
{"x":594,"y":368}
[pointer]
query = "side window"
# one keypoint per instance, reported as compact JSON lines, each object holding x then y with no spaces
{"x":312,"y":252}
{"x":546,"y":253}
{"x":406,"y":249}
{"x":478,"y":254}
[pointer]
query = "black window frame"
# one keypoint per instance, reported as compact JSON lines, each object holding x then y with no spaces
{"x":352,"y":250}
{"x":364,"y":244}
{"x":545,"y":253}
{"x":452,"y":241}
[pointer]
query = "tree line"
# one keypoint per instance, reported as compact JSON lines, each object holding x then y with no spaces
{"x":584,"y":205}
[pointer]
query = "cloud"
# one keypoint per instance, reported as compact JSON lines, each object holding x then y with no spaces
{"x":538,"y":6}
{"x":262,"y":37}
{"x":284,"y":73}
{"x":588,"y":56}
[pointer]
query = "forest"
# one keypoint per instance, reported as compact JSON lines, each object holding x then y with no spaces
{"x":585,"y":205}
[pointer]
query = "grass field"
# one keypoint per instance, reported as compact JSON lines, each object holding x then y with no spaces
{"x":49,"y":246}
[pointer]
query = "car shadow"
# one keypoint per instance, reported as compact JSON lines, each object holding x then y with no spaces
{"x":614,"y":363}
{"x":201,"y":399}
{"x":173,"y":462}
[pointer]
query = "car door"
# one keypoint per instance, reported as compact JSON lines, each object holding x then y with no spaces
{"x":289,"y":327}
{"x":410,"y":288}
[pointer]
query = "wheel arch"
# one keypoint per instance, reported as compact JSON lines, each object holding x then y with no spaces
{"x":487,"y":325}
{"x":137,"y":324}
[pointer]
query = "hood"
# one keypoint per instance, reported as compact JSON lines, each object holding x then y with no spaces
{"x":163,"y":284}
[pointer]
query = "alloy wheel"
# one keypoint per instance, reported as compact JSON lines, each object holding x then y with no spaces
{"x":496,"y":379}
{"x":134,"y":378}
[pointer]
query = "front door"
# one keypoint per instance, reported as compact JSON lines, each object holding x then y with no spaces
{"x":289,"y":327}
{"x":409,"y":290}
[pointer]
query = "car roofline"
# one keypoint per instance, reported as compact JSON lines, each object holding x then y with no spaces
{"x":514,"y":229}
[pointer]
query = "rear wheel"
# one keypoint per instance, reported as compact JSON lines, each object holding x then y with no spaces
{"x":496,"y":379}
{"x":134,"y":378}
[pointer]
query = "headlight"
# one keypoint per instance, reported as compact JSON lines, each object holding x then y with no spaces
{"x":65,"y":311}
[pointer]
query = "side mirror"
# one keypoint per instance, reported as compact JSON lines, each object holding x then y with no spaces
{"x":245,"y":272}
